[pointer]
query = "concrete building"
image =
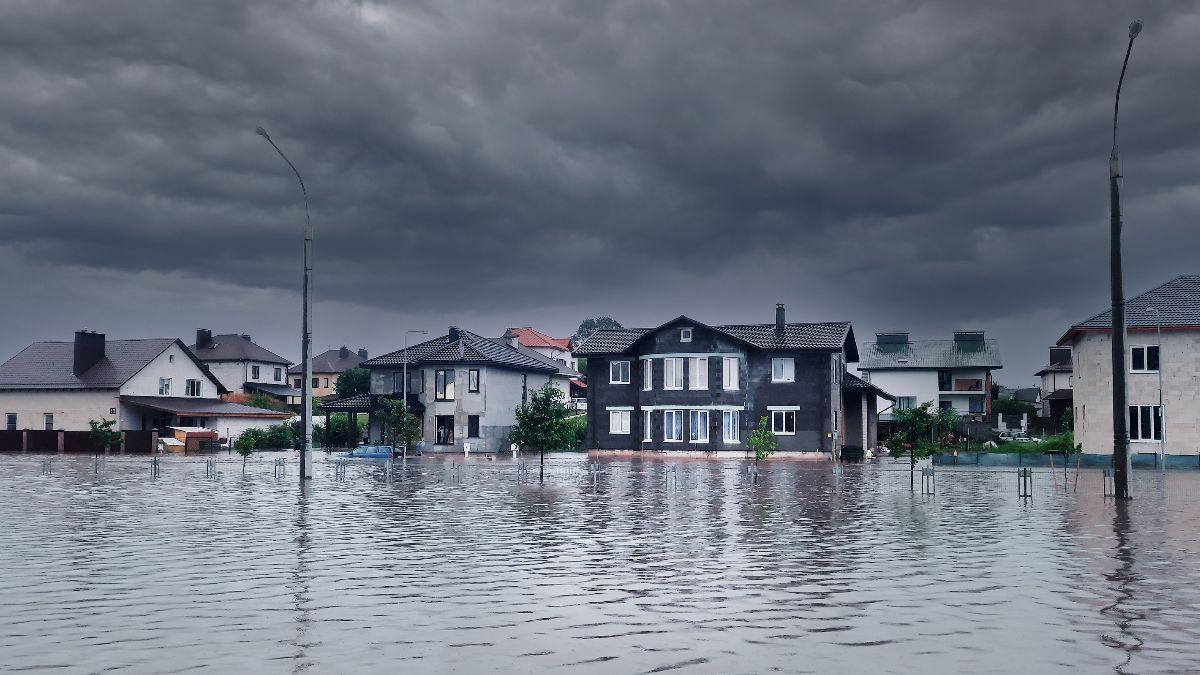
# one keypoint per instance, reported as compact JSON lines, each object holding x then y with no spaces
{"x":953,"y":374}
{"x":326,"y":368}
{"x":1055,"y":384}
{"x":465,"y":387}
{"x":141,"y":384}
{"x":1175,"y":306}
{"x":243,"y":366}
{"x":687,"y":386}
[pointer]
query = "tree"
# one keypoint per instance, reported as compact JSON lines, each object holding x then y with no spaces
{"x":400,"y":426}
{"x":353,"y":382}
{"x":921,"y":432}
{"x":244,"y":445}
{"x":261,"y":400}
{"x":543,"y":424}
{"x":762,"y":441}
{"x":1007,"y":405}
{"x":589,"y":326}
{"x":102,"y":435}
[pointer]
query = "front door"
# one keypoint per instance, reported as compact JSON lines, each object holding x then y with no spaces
{"x":444,"y":430}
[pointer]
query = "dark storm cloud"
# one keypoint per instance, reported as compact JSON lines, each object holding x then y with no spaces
{"x":901,"y":164}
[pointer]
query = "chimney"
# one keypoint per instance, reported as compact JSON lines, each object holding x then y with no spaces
{"x":362,"y":354}
{"x":779,"y":320}
{"x":453,"y":334}
{"x":344,"y":352}
{"x":203,"y":338}
{"x":246,"y":337}
{"x":89,"y":350}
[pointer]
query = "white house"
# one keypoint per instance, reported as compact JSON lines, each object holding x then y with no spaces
{"x":243,"y":366}
{"x":1056,"y":382}
{"x":953,"y":374}
{"x":141,"y":384}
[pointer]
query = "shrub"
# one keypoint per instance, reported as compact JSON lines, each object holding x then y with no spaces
{"x":276,"y":436}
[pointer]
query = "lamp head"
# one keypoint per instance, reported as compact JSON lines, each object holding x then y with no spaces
{"x":1135,"y":28}
{"x":261,"y":132}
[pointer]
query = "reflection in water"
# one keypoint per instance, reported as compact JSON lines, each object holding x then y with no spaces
{"x":697,"y":569}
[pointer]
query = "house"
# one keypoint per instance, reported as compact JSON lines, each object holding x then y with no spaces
{"x":141,"y":384}
{"x":1173,"y":307}
{"x":953,"y":374}
{"x":326,"y":368}
{"x":688,"y":386}
{"x":1055,"y":385}
{"x":465,"y":387}
{"x":558,"y":349}
{"x":243,"y":366}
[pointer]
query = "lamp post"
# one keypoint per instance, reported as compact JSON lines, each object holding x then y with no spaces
{"x":1121,"y":468}
{"x":1162,"y":411}
{"x":306,"y":327}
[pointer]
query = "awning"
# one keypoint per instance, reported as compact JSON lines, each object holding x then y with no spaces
{"x":369,"y":403}
{"x":852,"y":382}
{"x":280,"y":390}
{"x":202,"y":407}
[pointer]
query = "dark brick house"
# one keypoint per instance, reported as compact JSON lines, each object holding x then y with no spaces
{"x":689,"y":386}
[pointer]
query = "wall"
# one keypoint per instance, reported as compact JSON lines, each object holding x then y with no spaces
{"x":72,"y":409}
{"x":235,"y":374}
{"x":175,"y":364}
{"x":921,"y":384}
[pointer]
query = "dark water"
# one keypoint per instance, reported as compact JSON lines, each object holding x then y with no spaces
{"x":439,"y":570}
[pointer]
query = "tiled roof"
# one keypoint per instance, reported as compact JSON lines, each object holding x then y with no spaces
{"x":350,"y":403}
{"x":469,"y":348}
{"x":330,"y":361}
{"x":563,"y":369}
{"x":830,"y":335}
{"x":930,"y":354}
{"x":1177,"y":302}
{"x":281,"y":390}
{"x":530,"y":337}
{"x":202,"y":407}
{"x":1059,"y":395}
{"x":48,"y":365}
{"x":1056,"y":368}
{"x":234,"y":347}
{"x":855,"y":383}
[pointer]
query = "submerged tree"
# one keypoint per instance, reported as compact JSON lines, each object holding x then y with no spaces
{"x":400,"y":426}
{"x":762,"y":441}
{"x":543,"y":424}
{"x":244,"y":446}
{"x":920,"y":432}
{"x":102,"y":435}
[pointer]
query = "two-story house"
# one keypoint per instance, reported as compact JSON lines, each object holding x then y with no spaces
{"x":243,"y":366}
{"x":1172,"y":310}
{"x":687,"y":386}
{"x":465,"y":387}
{"x":327,"y":367}
{"x":558,"y":349}
{"x":955,"y":374}
{"x":1055,"y":383}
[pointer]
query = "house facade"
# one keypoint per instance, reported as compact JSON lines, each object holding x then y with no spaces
{"x":465,"y":387}
{"x":687,"y":386}
{"x":1175,"y":308}
{"x":141,"y":384}
{"x":243,"y":366}
{"x":955,"y":374}
{"x":1055,"y":383}
{"x":326,"y":368}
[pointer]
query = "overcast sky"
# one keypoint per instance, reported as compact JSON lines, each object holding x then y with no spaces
{"x":904,"y":165}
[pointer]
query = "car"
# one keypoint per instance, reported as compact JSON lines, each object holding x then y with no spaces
{"x":1022,"y":437}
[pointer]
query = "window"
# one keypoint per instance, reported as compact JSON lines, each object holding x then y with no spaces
{"x":946,"y":405}
{"x":647,"y":431}
{"x":685,"y":334}
{"x":647,"y":374}
{"x":698,"y":426}
{"x":164,"y":386}
{"x":192,"y":387}
{"x":698,"y":372}
{"x":1145,"y":423}
{"x":170,"y":358}
{"x":444,"y":385}
{"x":731,"y":426}
{"x":673,"y":426}
{"x":618,"y":372}
{"x":279,"y":374}
{"x":945,"y":380}
{"x":443,"y":430}
{"x":298,"y":382}
{"x":975,"y":405}
{"x":472,"y":426}
{"x":783,"y":370}
{"x":906,"y":402}
{"x":316,"y":382}
{"x":1143,"y":359}
{"x":416,"y":381}
{"x":326,"y":382}
{"x":783,"y":422}
{"x":48,"y":421}
{"x":618,"y":421}
{"x":729,"y":373}
{"x":10,"y":421}
{"x":673,"y":373}
{"x":398,"y":383}
{"x":473,"y":380}
{"x":254,"y":372}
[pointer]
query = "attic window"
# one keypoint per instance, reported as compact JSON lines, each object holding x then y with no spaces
{"x":901,"y":360}
{"x":685,"y":334}
{"x":170,"y":358}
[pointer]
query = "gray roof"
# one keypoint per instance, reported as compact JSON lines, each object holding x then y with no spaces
{"x":563,"y":369}
{"x":1027,"y":394}
{"x":234,"y":347}
{"x":930,"y":354}
{"x":281,"y":390}
{"x":330,"y":362}
{"x":855,"y":383}
{"x":48,"y":365}
{"x":829,"y":335}
{"x":1177,"y":302}
{"x":202,"y":407}
{"x":1056,"y":368}
{"x":468,"y":349}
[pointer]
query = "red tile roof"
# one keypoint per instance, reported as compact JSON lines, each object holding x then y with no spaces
{"x":529,"y":337}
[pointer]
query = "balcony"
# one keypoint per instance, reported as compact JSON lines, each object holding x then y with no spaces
{"x":972,"y":386}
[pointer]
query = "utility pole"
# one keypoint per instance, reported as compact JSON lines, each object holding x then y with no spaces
{"x":306,"y":324}
{"x":1121,"y":468}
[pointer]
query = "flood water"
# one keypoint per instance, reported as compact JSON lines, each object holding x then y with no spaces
{"x":648,"y":566}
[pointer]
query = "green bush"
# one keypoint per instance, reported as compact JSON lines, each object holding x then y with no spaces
{"x":579,"y":428}
{"x":276,"y":436}
{"x":253,"y":437}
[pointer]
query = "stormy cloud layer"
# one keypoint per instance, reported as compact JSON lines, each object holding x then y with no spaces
{"x":913,"y":165}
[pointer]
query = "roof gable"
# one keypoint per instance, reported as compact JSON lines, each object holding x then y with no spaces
{"x":468,"y":348}
{"x":49,"y":365}
{"x":824,"y":336}
{"x":531,"y":337}
{"x":234,"y":347}
{"x":1177,"y":302}
{"x":330,"y":361}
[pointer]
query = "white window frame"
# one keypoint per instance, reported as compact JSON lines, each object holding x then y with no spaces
{"x":279,"y":374}
{"x":698,"y":373}
{"x":48,"y":421}
{"x":647,"y":425}
{"x":785,"y":364}
{"x":672,"y":419}
{"x":673,"y":373}
{"x":730,"y":373}
{"x":618,"y":372}
{"x":192,"y":385}
{"x":698,"y":422}
{"x":618,"y":422}
{"x":164,"y":386}
{"x":443,"y":384}
{"x":906,"y":402}
{"x":779,"y":422}
{"x":1141,"y":437}
{"x":647,"y":374}
{"x":731,"y":421}
{"x":685,"y":334}
{"x":473,"y":381}
{"x":10,"y":421}
{"x":1145,"y":349}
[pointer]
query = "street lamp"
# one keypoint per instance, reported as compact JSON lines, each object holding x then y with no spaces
{"x":306,"y":328}
{"x":1162,"y":411}
{"x":1120,"y":404}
